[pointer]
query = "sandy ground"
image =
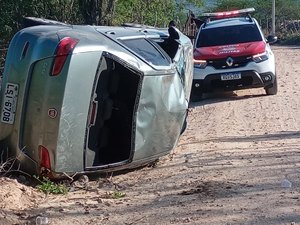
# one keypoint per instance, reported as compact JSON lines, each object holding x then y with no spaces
{"x":229,"y":168}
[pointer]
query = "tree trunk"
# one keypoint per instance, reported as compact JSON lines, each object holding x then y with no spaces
{"x":97,"y":12}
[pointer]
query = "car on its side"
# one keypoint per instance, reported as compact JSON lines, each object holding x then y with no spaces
{"x":231,"y":53}
{"x":81,"y":99}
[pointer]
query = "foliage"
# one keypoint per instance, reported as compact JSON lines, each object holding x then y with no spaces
{"x":118,"y":194}
{"x":182,"y":8}
{"x":155,"y":12}
{"x":49,"y":187}
{"x":97,"y":12}
{"x":285,"y":10}
{"x":12,"y":13}
{"x":291,"y":39}
{"x":116,"y":12}
{"x":225,"y":5}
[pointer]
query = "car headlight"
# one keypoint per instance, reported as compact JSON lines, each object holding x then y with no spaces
{"x":261,"y":57}
{"x":200,"y":63}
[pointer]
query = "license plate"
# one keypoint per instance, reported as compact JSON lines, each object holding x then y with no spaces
{"x":9,"y":103}
{"x":231,"y":76}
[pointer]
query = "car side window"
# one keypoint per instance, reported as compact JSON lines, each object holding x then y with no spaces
{"x":147,"y":50}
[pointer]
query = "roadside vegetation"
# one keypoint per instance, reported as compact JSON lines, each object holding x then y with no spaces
{"x":155,"y":13}
{"x":50,"y":187}
{"x":287,"y":16}
{"x":94,"y":12}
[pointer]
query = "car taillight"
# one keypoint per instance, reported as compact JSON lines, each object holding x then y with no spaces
{"x":199,"y":63}
{"x":261,"y":57}
{"x":44,"y":158}
{"x":64,"y":48}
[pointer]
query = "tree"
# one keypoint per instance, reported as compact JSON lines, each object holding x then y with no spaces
{"x":285,"y":10}
{"x":12,"y":13}
{"x":225,"y":5}
{"x":153,"y":12}
{"x":288,"y":9}
{"x":150,"y":12}
{"x":97,"y":12}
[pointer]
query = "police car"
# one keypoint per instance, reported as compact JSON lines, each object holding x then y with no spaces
{"x":231,"y":53}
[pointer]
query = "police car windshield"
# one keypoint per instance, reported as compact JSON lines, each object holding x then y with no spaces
{"x":228,"y":35}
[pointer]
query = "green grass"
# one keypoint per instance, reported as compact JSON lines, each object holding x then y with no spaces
{"x":49,"y":187}
{"x":118,"y":194}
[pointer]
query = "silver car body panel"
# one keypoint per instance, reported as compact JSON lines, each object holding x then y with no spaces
{"x":55,"y":112}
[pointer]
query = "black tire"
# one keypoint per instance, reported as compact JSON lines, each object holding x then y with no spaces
{"x":196,"y":95}
{"x":272,"y":90}
{"x":184,"y":126}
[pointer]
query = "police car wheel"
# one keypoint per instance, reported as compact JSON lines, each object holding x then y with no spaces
{"x":272,"y":90}
{"x":196,"y":95}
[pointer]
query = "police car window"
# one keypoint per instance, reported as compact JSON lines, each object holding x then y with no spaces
{"x":228,"y":35}
{"x":147,"y":51}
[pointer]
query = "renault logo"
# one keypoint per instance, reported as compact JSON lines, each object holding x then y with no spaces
{"x":229,"y":61}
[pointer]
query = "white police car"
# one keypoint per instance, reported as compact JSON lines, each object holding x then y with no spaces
{"x":231,"y":53}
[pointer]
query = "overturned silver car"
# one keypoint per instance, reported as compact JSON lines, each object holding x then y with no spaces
{"x":79,"y":99}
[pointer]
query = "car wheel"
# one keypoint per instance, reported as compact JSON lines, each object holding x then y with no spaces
{"x":272,"y":90}
{"x":196,"y":94}
{"x":184,"y":126}
{"x":196,"y":97}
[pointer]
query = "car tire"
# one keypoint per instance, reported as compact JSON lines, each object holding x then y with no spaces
{"x":272,"y":90}
{"x":184,"y":126}
{"x":196,"y":95}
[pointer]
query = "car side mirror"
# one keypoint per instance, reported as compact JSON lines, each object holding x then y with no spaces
{"x":271,"y":39}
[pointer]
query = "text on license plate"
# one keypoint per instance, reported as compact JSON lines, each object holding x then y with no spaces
{"x":231,"y":76}
{"x":9,"y":103}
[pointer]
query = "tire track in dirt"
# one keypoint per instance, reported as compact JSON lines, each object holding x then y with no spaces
{"x":253,"y":142}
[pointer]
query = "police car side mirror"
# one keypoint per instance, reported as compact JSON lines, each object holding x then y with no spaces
{"x":271,"y":39}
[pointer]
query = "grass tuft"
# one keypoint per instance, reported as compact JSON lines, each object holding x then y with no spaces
{"x":49,"y":187}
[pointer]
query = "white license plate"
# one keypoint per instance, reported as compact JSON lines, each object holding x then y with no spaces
{"x":231,"y":76}
{"x":9,"y":103}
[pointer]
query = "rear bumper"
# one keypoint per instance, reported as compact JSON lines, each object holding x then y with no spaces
{"x":249,"y":79}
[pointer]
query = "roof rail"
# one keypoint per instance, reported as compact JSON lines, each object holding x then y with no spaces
{"x":136,"y":25}
{"x":227,"y":14}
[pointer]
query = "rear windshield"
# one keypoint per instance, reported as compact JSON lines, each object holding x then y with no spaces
{"x":148,"y":51}
{"x":228,"y":35}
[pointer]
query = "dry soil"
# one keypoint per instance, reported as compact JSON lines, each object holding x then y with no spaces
{"x":237,"y":163}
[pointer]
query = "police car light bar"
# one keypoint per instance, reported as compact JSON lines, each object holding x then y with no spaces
{"x":229,"y":13}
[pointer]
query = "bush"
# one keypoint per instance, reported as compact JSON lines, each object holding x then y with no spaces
{"x":291,"y":39}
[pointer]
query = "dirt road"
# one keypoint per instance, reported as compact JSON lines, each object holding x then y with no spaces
{"x":237,"y":163}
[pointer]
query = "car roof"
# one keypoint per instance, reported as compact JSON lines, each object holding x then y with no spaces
{"x":228,"y":22}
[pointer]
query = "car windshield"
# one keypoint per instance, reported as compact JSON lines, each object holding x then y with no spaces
{"x":228,"y":35}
